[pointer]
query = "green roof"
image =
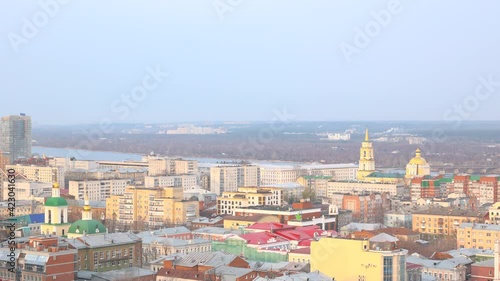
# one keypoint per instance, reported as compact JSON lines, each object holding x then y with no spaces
{"x":385,"y":175}
{"x":89,"y":226}
{"x":475,"y":177}
{"x":56,"y":202}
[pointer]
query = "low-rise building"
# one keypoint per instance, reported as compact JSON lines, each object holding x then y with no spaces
{"x":246,"y":197}
{"x":483,"y":271}
{"x":398,"y":218}
{"x":131,"y":273}
{"x":302,"y":255}
{"x":107,"y":251}
{"x":212,"y":233}
{"x":155,"y":246}
{"x":448,"y":269}
{"x":207,"y":222}
{"x":298,"y":214}
{"x":42,"y":258}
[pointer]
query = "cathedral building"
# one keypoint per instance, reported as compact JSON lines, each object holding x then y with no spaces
{"x":56,"y":214}
{"x":417,"y":167}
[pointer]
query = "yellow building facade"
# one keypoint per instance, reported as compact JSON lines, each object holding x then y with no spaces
{"x":478,"y":236}
{"x":366,"y":159}
{"x":154,"y":206}
{"x":376,"y":259}
{"x":248,"y":196}
{"x":443,"y":221}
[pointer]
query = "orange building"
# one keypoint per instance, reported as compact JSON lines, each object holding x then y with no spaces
{"x":366,"y":208}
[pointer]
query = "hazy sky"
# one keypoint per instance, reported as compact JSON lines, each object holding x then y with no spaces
{"x":85,"y":61}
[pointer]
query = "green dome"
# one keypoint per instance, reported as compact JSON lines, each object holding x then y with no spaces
{"x":89,"y":226}
{"x":56,"y":202}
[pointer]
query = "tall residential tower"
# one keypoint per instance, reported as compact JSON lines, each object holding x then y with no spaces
{"x":16,"y":136}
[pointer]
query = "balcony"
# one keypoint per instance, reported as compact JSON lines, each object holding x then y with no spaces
{"x":423,"y":226}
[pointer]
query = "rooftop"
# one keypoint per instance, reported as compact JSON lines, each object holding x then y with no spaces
{"x":481,"y":226}
{"x":181,"y":274}
{"x":212,"y":259}
{"x":102,"y":240}
{"x":123,"y":274}
{"x":454,"y":212}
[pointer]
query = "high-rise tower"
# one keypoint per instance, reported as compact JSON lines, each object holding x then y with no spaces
{"x":366,"y":159}
{"x":16,"y":136}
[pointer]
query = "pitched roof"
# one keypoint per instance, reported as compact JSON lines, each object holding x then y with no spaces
{"x":212,"y":259}
{"x":180,"y":274}
{"x":259,"y":238}
{"x":383,"y":237}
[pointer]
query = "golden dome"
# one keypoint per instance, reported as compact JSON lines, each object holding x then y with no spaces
{"x":86,"y":208}
{"x":418,"y":159}
{"x":55,"y":185}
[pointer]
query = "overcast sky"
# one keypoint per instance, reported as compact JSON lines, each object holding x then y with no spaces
{"x":82,"y":61}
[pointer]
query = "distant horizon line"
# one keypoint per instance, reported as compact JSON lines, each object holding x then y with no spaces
{"x":260,"y":122}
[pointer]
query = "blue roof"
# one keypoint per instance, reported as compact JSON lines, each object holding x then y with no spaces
{"x":37,"y":218}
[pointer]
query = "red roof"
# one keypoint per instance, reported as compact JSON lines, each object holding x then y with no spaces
{"x":410,"y":266}
{"x":305,"y":243}
{"x":300,"y":233}
{"x":261,"y":238}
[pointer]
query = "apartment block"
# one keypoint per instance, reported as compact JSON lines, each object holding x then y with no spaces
{"x":26,"y":189}
{"x":187,"y":182}
{"x":166,"y":166}
{"x":366,"y":208}
{"x":248,"y":196}
{"x":97,"y":190}
{"x":394,"y":189}
{"x":229,"y":178}
{"x":477,"y":236}
{"x":72,"y":164}
{"x":484,"y":189}
{"x":270,"y":175}
{"x":443,"y":221}
{"x":39,"y":173}
{"x":151,"y":206}
{"x":318,"y":183}
{"x":15,"y":136}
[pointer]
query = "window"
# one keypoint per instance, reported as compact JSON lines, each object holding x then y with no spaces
{"x":387,"y":269}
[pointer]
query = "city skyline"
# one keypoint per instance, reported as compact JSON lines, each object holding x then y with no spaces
{"x":188,"y":62}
